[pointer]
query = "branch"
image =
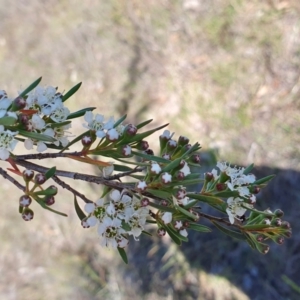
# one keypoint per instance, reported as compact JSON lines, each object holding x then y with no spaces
{"x":46,"y":155}
{"x":12,"y":180}
{"x":69,"y":188}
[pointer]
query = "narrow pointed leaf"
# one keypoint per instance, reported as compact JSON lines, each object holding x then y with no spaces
{"x":37,"y":136}
{"x":121,"y":168}
{"x":143,"y":124}
{"x":57,"y":125}
{"x":199,"y":227}
{"x":79,"y":113}
{"x":71,"y":92}
{"x":123,"y":255}
{"x":172,"y":235}
{"x":161,"y":207}
{"x":50,"y":172}
{"x":187,"y":213}
{"x":7,"y":121}
{"x":248,"y":169}
{"x":120,"y":121}
{"x":233,"y":234}
{"x":263,"y":180}
{"x":81,"y":215}
{"x":206,"y":198}
{"x":159,"y":193}
{"x":31,"y":87}
{"x":151,"y":157}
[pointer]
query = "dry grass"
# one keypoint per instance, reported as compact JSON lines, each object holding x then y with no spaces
{"x":223,"y":72}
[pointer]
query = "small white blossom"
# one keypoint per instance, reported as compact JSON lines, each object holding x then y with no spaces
{"x":167,"y":217}
{"x":7,"y":142}
{"x":235,"y":209}
{"x":141,"y":185}
{"x":185,"y":169}
{"x":183,"y":232}
{"x":155,"y":168}
{"x":4,"y":104}
{"x":166,"y":178}
{"x":112,"y":134}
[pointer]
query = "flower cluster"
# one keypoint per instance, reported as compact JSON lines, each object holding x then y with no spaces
{"x":234,"y":179}
{"x":117,"y":218}
{"x":40,"y":116}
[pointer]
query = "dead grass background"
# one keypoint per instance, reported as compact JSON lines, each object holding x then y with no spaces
{"x":225,"y":73}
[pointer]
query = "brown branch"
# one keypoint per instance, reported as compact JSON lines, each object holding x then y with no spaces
{"x":12,"y":180}
{"x":46,"y":155}
{"x":69,"y":188}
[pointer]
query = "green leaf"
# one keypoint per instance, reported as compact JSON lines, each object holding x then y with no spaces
{"x":123,"y":255}
{"x":71,"y":92}
{"x":121,"y":168}
{"x":79,"y":113}
{"x":185,"y":182}
{"x":233,"y":234}
{"x":160,"y":194}
{"x":199,"y":227}
{"x":161,"y":207}
{"x":47,"y":192}
{"x":42,"y":203}
{"x":7,"y":121}
{"x":57,"y":125}
{"x":248,"y":169}
{"x":151,"y":157}
{"x":141,"y":136}
{"x":186,"y":213}
{"x":37,"y":136}
{"x":120,"y":121}
{"x":139,"y":126}
{"x":31,"y":87}
{"x":81,"y":215}
{"x":191,"y":204}
{"x":227,"y":194}
{"x":147,"y":233}
{"x":255,"y":227}
{"x":172,"y":235}
{"x":50,"y":172}
{"x":206,"y":198}
{"x":172,"y":165}
{"x":263,"y":180}
{"x":250,"y":239}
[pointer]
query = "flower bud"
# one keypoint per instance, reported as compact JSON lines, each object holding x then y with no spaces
{"x":27,"y":214}
{"x":179,"y":175}
{"x":142,"y":145}
{"x":262,"y":248}
{"x":18,"y":103}
{"x":25,"y":201}
{"x":285,"y":225}
{"x":166,"y":178}
{"x":145,"y":202}
{"x":86,"y":141}
{"x":287,"y":233}
{"x":126,"y":150}
{"x":28,"y":175}
{"x":209,"y":176}
{"x":130,"y":130}
{"x":279,"y":240}
{"x":278,"y":213}
{"x":178,"y":225}
{"x":255,"y":189}
{"x":260,"y":238}
{"x":181,"y":193}
{"x":84,"y":223}
{"x":195,"y":158}
{"x":186,"y":224}
{"x":277,"y":222}
{"x":221,"y":187}
{"x":141,"y":186}
{"x":112,"y":135}
{"x":166,"y":156}
{"x":23,"y":119}
{"x":54,"y":190}
{"x":149,"y":152}
{"x":182,"y":140}
{"x":49,"y":200}
{"x":40,"y":178}
{"x":161,"y":232}
{"x":164,"y":203}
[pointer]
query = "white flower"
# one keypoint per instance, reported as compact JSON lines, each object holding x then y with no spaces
{"x":183,"y":232}
{"x":37,"y":122}
{"x":112,"y":134}
{"x":155,"y":168}
{"x":7,"y":142}
{"x":185,"y":169}
{"x":96,"y":212}
{"x":166,"y":177}
{"x":60,"y":114}
{"x":167,"y":135}
{"x":167,"y":217}
{"x":141,"y":185}
{"x":234,"y":209}
{"x":111,"y":232}
{"x":4,"y":104}
{"x":97,"y":124}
